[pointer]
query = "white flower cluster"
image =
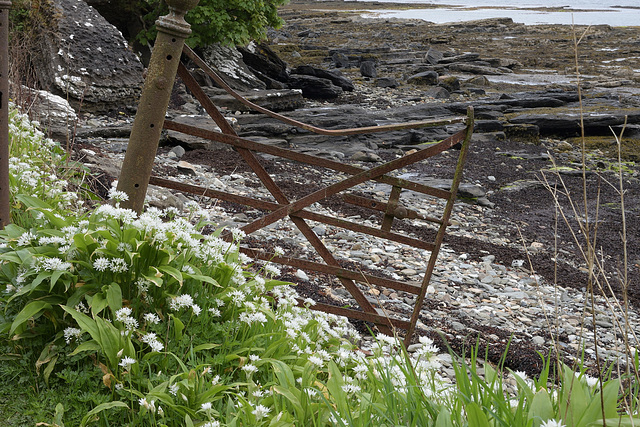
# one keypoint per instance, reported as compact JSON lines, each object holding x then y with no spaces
{"x":124,"y":315}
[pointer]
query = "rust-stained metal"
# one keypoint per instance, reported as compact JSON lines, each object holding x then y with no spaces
{"x":297,"y":210}
{"x":457,"y":178}
{"x":5,"y":199}
{"x":152,"y":107}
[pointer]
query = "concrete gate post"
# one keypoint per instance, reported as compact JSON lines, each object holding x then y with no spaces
{"x":147,"y":125}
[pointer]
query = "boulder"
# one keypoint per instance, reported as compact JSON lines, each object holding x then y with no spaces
{"x":425,"y":78}
{"x":437,"y":92}
{"x":334,"y":76}
{"x":55,"y":115}
{"x":471,"y":68}
{"x":368,"y":69}
{"x":229,"y":63}
{"x":264,"y":63}
{"x":274,"y":100}
{"x":433,"y":56}
{"x":83,"y":58}
{"x":314,"y":87}
{"x":340,"y":60}
{"x":386,"y":82}
{"x":450,"y":83}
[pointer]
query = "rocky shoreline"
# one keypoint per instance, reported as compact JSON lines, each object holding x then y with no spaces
{"x":499,"y":276}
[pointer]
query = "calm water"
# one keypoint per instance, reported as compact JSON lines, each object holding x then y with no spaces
{"x":582,"y":12}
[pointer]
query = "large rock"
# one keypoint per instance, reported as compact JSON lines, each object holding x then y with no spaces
{"x":265,"y":64}
{"x":274,"y":100}
{"x":229,"y":63}
{"x":314,"y":87}
{"x":335,"y":78}
{"x":425,"y":78}
{"x":84,"y":58}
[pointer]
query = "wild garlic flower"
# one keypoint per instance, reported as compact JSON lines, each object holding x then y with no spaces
{"x":151,"y":318}
{"x":261,"y":411}
{"x":152,"y":339}
{"x":126,"y":362}
{"x":206,"y":406}
{"x":72,"y":334}
{"x":552,"y":423}
{"x":250,"y":368}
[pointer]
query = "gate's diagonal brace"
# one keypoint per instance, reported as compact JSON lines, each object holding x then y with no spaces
{"x":277,"y":193}
{"x":351,"y":182}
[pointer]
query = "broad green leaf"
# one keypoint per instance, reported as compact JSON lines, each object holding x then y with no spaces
{"x":541,"y":408}
{"x":97,"y":303}
{"x":30,"y":310}
{"x":85,"y":322}
{"x":92,"y":346}
{"x":100,"y":408}
{"x":114,"y":297}
{"x":178,"y":327}
{"x":171,"y":271}
{"x":444,"y":419}
{"x":207,"y":346}
{"x":475,"y":416}
{"x":109,"y":340}
{"x":287,"y":394}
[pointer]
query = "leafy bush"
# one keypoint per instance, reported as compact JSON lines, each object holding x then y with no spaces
{"x":233,"y":22}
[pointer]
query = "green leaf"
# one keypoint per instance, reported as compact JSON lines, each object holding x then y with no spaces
{"x":102,"y":407}
{"x":475,"y":416}
{"x":109,"y":340}
{"x":92,"y":346}
{"x":85,"y":322}
{"x":30,"y":310}
{"x":444,"y":419}
{"x":171,"y":271}
{"x":541,"y":408}
{"x":114,"y":297}
{"x":207,"y":346}
{"x":97,"y":303}
{"x":178,"y":327}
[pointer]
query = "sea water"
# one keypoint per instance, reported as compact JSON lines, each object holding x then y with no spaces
{"x":530,"y":12}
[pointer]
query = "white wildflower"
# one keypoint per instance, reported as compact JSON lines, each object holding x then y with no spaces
{"x":126,"y":362}
{"x":72,"y":334}
{"x":261,"y":412}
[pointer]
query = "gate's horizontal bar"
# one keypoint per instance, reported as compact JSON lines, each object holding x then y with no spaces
{"x":270,"y":206}
{"x":360,"y":315}
{"x":335,"y":271}
{"x":401,"y":212}
{"x":307,"y":158}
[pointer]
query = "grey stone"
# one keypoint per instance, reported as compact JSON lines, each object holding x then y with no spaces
{"x":425,"y":78}
{"x":85,"y":59}
{"x":368,"y":69}
{"x":229,"y":63}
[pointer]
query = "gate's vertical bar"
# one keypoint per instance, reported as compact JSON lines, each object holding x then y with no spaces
{"x":147,"y":126}
{"x":5,"y":209}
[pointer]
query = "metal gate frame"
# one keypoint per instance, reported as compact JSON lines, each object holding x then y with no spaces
{"x":297,"y":212}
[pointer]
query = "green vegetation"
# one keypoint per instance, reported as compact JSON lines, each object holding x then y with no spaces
{"x":218,"y":21}
{"x":109,"y":318}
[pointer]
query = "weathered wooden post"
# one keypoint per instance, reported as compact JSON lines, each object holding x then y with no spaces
{"x":5,"y":210}
{"x":147,"y":126}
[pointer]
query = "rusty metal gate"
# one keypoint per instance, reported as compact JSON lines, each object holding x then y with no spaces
{"x":297,"y":210}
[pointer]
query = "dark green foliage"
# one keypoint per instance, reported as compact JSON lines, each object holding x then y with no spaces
{"x":233,"y":22}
